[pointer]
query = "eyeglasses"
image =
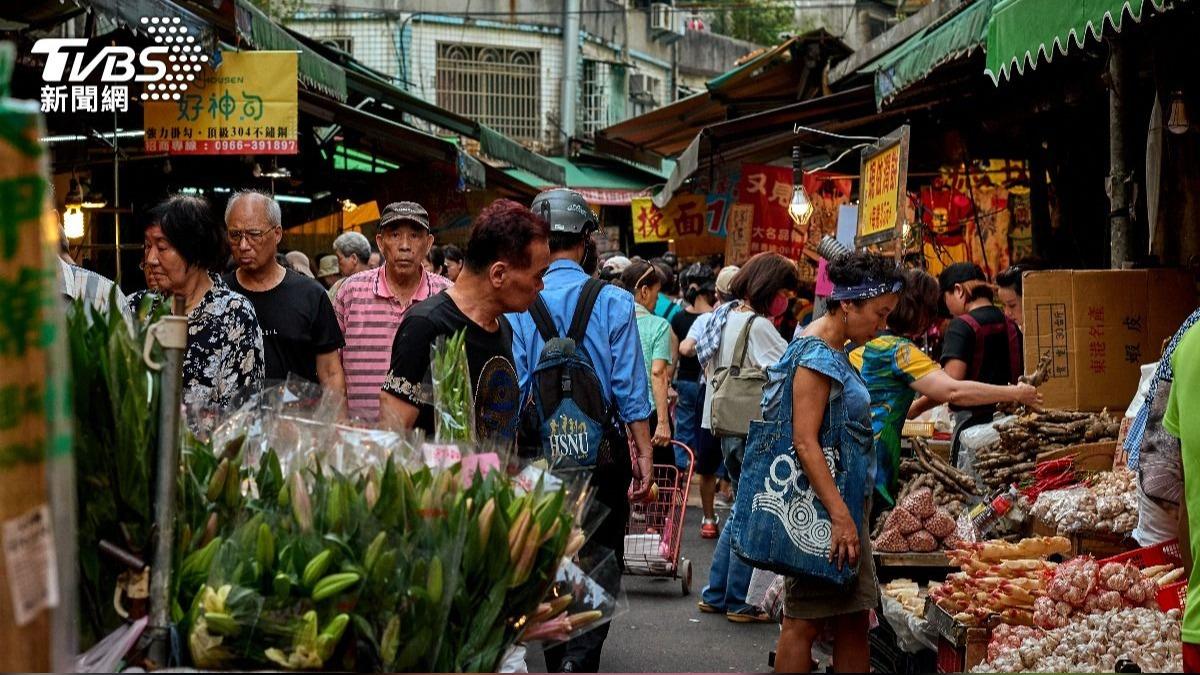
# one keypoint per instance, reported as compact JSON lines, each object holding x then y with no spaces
{"x":255,"y":236}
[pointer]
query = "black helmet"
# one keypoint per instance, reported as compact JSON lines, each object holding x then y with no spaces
{"x":565,"y":211}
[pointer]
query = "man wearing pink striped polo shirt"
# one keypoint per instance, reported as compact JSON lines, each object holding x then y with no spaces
{"x":371,"y":304}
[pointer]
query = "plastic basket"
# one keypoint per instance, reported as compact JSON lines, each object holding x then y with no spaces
{"x":1149,"y":556}
{"x":1171,"y":596}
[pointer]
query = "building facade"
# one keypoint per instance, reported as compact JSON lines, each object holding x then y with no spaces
{"x":502,"y":63}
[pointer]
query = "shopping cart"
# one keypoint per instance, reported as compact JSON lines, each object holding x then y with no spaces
{"x":655,"y":531}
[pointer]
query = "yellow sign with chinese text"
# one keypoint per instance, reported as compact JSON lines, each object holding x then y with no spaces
{"x":248,"y":104}
{"x":879,"y":205}
{"x":684,"y":216}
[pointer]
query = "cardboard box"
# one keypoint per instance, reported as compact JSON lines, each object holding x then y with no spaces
{"x":1099,"y":326}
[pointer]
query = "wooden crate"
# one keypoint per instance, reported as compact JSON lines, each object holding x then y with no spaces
{"x":960,"y":647}
{"x":1088,"y":456}
{"x":1098,"y":544}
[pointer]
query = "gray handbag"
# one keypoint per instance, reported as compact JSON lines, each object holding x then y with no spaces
{"x":737,"y":391}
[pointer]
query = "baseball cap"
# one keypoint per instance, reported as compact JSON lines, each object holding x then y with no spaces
{"x":398,"y":212}
{"x":328,"y":267}
{"x":959,"y":273}
{"x":725,"y":279}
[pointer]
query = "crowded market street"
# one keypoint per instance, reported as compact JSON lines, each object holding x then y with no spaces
{"x":599,"y":336}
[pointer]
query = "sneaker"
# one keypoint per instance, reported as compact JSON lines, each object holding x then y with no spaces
{"x":707,"y":608}
{"x":750,"y":614}
{"x":708,"y":528}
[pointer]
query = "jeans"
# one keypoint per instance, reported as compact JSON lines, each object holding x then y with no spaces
{"x":729,"y":575}
{"x":687,"y":419}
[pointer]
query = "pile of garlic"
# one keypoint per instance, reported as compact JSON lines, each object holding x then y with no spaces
{"x":1093,"y":643}
{"x":1107,"y":504}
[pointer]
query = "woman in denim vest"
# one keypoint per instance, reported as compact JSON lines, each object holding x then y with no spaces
{"x":827,"y":401}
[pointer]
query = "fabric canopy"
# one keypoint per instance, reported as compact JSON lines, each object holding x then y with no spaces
{"x":1027,"y":32}
{"x":959,"y":36}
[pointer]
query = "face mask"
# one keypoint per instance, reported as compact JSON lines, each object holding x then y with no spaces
{"x":778,"y":306}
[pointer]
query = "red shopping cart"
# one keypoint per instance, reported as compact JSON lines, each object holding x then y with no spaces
{"x":655,"y":532}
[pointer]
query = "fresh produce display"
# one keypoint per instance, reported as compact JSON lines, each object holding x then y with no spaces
{"x":397,"y":570}
{"x":909,"y":594}
{"x":998,"y":578}
{"x":916,"y":525}
{"x":1054,"y":474}
{"x":1013,"y":458}
{"x":1083,"y":585}
{"x":1106,"y":502}
{"x":1090,"y":643}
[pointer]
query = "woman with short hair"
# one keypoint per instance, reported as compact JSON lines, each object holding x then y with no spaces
{"x":184,"y":245}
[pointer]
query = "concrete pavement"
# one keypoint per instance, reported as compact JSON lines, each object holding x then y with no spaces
{"x":663,"y":631}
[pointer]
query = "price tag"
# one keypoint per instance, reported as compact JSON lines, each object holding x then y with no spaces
{"x":485,"y":462}
{"x":438,"y":456}
{"x":31,"y":563}
{"x":528,"y":479}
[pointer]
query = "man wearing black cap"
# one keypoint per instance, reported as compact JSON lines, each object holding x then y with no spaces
{"x":610,"y":342}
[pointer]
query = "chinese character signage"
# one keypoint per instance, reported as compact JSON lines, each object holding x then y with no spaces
{"x":738,"y":229}
{"x":884,"y":178}
{"x":684,"y":216}
{"x":769,"y":190}
{"x":245,"y":105}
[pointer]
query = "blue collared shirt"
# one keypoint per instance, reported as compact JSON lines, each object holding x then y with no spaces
{"x":611,"y":340}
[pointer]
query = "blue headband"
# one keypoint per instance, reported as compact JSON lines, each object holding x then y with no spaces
{"x":866,"y":290}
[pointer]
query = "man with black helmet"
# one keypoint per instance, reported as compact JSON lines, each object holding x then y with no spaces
{"x":610,"y":342}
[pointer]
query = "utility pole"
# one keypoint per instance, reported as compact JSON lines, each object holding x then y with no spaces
{"x":570,"y":76}
{"x":1118,"y":177}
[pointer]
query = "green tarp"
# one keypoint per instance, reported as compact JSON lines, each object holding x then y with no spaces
{"x":919,"y":55}
{"x":315,"y":70}
{"x":1026,"y":33}
{"x":589,"y":176}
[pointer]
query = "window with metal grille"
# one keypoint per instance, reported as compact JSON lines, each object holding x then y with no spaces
{"x":593,"y":98}
{"x":496,"y":86}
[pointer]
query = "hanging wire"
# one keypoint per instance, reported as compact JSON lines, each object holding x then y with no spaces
{"x":839,"y":158}
{"x":796,"y":128}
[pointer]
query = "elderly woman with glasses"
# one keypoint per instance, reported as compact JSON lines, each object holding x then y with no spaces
{"x":184,"y":245}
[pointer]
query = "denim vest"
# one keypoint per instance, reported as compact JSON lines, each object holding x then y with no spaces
{"x":779,"y":524}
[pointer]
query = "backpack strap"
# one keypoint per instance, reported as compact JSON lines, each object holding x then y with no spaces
{"x":583,"y":309}
{"x":979,"y":346}
{"x":1016,"y":359}
{"x":540,"y":314}
{"x":743,"y":342}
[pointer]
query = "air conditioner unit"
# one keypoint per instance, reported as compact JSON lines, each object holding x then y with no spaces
{"x":637,"y":85}
{"x":662,"y":17}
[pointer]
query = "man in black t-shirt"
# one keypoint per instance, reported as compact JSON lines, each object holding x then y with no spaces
{"x":502,"y":272}
{"x":981,"y":344}
{"x":300,"y":331}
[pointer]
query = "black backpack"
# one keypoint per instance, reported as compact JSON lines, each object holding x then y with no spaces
{"x":568,"y":412}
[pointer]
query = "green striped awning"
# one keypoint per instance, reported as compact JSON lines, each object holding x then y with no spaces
{"x":1026,"y":33}
{"x":910,"y":63}
{"x":315,"y":71}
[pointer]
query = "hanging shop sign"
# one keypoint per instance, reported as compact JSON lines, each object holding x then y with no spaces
{"x":767,"y":190}
{"x":246,"y":104}
{"x":738,"y":229}
{"x":684,"y":216}
{"x":884,"y":177}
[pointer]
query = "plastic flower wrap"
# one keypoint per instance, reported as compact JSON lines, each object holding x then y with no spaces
{"x":453,"y":400}
{"x":579,"y":601}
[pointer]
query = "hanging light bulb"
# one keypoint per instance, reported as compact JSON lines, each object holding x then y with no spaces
{"x":800,"y":209}
{"x":1177,"y":121}
{"x":73,"y":222}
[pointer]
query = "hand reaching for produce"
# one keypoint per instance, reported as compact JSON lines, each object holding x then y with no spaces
{"x":1027,"y":395}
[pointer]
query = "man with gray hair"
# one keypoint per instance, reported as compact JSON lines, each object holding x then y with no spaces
{"x":300,"y":330}
{"x":353,"y":256}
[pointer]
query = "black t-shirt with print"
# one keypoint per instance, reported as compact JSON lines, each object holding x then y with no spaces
{"x":489,"y":360}
{"x":298,"y":323}
{"x":959,"y":344}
